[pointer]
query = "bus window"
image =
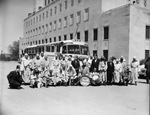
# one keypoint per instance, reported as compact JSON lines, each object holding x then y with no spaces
{"x":52,"y":48}
{"x":84,"y":50}
{"x":47,"y":48}
{"x":73,"y":49}
{"x":64,"y":49}
{"x":58,"y":48}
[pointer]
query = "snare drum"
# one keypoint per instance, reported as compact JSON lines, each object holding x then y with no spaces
{"x":85,"y":81}
{"x":95,"y":80}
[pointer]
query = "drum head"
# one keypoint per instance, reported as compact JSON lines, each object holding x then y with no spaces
{"x":95,"y":77}
{"x":85,"y":81}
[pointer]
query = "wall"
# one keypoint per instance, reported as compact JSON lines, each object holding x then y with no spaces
{"x":139,"y":19}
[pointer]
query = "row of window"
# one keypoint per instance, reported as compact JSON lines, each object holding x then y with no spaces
{"x":77,"y":35}
{"x":51,"y":1}
{"x":86,"y":35}
{"x":47,"y":14}
{"x":57,"y":24}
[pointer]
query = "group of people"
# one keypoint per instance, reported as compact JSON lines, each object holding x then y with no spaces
{"x":67,"y":70}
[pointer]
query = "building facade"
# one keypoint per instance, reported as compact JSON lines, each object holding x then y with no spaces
{"x":110,"y":27}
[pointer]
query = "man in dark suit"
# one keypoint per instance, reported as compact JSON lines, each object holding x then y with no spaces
{"x":110,"y":71}
{"x":95,"y":63}
{"x":76,"y":64}
{"x":14,"y":78}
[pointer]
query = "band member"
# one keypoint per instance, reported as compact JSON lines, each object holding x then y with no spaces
{"x":117,"y":77}
{"x":76,"y":64}
{"x":95,"y":63}
{"x":27,"y":65}
{"x":102,"y":70}
{"x":42,"y":55}
{"x":134,"y":70}
{"x":147,"y":66}
{"x":71,"y":74}
{"x":110,"y":70}
{"x":14,"y":78}
{"x":95,"y":78}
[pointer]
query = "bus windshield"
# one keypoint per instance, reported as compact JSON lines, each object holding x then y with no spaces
{"x":84,"y":50}
{"x":73,"y":49}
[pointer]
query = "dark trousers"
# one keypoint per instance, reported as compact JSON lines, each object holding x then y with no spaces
{"x":147,"y":77}
{"x":14,"y":84}
{"x":109,"y":78}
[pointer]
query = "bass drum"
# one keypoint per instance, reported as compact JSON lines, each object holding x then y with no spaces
{"x":85,"y":81}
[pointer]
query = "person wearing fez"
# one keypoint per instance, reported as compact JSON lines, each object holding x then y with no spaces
{"x":14,"y":78}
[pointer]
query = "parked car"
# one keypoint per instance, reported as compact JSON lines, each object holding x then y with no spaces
{"x":142,"y":71}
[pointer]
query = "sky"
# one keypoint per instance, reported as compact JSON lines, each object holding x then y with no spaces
{"x":12,"y":15}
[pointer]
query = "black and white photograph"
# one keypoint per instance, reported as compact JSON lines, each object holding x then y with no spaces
{"x":74,"y":57}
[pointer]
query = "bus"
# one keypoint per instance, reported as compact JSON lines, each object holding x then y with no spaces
{"x":67,"y":47}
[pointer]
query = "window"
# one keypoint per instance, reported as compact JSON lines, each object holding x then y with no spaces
{"x":50,"y":26}
{"x":36,"y":42}
{"x":36,"y":19}
{"x":147,"y":34}
{"x":48,"y":1}
{"x":79,"y":17}
{"x":43,"y":16}
{"x":71,"y":36}
{"x":43,"y":29}
{"x":36,"y":31}
{"x":39,"y":17}
{"x":72,"y":2}
{"x":46,"y":28}
{"x":60,"y":7}
{"x":65,"y":21}
{"x":39,"y":42}
{"x":55,"y":9}
{"x":105,"y":54}
{"x":79,"y":1}
{"x":65,"y":37}
{"x":86,"y":35}
{"x":45,"y":40}
{"x":86,"y":14}
{"x":54,"y":39}
{"x":55,"y":25}
{"x":46,"y":14}
{"x":78,"y":35}
{"x":94,"y":52}
{"x":106,"y":32}
{"x":59,"y":38}
{"x":45,"y":2}
{"x":64,"y":49}
{"x":66,"y":4}
{"x":145,"y":3}
{"x":42,"y":41}
{"x":137,"y":1}
{"x":146,"y":54}
{"x":71,"y":20}
{"x":39,"y":30}
{"x":95,"y":34}
{"x":50,"y":40}
{"x":51,"y":12}
{"x":59,"y":24}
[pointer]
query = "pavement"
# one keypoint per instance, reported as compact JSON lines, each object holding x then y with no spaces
{"x":72,"y":100}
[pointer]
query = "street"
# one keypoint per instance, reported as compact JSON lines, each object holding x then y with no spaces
{"x":73,"y":100}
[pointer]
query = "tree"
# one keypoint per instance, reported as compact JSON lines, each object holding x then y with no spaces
{"x":14,"y":50}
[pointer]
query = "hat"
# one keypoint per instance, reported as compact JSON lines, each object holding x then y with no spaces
{"x":18,"y":67}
